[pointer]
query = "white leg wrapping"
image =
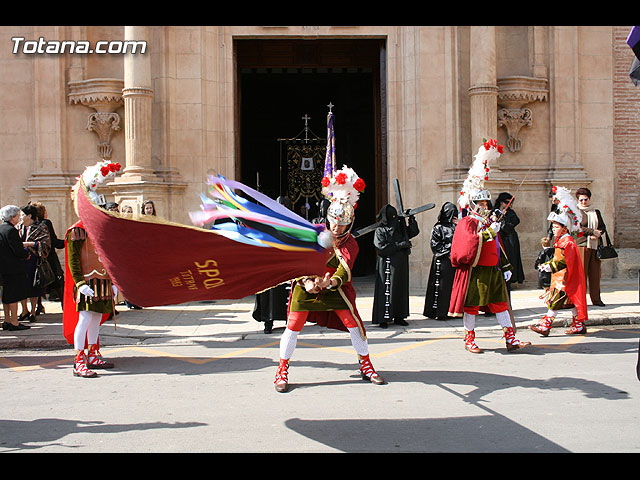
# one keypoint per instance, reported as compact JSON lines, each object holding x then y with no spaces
{"x":288,"y":343}
{"x":574,"y":311}
{"x":552,"y":313}
{"x":469,"y":321}
{"x":504,"y":319}
{"x":359,"y":343}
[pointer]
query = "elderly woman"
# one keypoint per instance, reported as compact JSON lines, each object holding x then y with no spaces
{"x":35,"y":235}
{"x":13,"y":270}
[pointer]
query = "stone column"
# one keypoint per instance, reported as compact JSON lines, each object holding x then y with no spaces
{"x":138,"y":96}
{"x":483,"y":91}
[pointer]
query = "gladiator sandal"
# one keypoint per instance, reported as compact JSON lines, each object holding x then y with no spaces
{"x":544,"y":327}
{"x":577,"y":327}
{"x":367,"y":371}
{"x":512,"y":342}
{"x":470,"y":341}
{"x":80,"y":366}
{"x":95,"y":360}
{"x":282,"y":376}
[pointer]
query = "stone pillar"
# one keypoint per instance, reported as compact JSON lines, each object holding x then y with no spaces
{"x":138,"y":96}
{"x":483,"y":91}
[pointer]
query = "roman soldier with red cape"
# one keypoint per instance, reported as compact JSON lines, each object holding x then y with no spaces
{"x":482,"y":268}
{"x":89,"y":293}
{"x":568,"y":286}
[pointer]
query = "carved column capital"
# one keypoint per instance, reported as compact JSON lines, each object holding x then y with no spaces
{"x":104,"y":124}
{"x":513,"y":94}
{"x":104,"y":95}
{"x":513,"y":119}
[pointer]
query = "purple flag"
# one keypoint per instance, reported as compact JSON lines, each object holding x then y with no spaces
{"x":633,"y":40}
{"x":330,"y":158}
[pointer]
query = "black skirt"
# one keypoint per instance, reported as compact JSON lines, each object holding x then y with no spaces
{"x":14,"y":287}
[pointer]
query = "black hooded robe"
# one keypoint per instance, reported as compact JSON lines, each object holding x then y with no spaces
{"x":440,"y":283}
{"x":391,"y":290}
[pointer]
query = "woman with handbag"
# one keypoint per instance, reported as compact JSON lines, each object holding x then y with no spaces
{"x":35,"y":235}
{"x":13,"y":256}
{"x":588,"y":239}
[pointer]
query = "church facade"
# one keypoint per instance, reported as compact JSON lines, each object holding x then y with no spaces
{"x":174,"y":104}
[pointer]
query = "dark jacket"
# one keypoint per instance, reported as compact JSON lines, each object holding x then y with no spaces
{"x":12,"y":254}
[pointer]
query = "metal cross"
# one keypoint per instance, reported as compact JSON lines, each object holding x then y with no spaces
{"x":331,"y":105}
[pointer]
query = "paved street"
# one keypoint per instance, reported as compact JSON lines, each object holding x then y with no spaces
{"x":199,"y":378}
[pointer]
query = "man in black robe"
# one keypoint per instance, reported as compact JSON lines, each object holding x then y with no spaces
{"x":393,"y":246}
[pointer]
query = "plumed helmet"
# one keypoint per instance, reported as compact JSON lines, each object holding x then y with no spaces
{"x":473,"y":187}
{"x":567,"y":211}
{"x":342,"y":189}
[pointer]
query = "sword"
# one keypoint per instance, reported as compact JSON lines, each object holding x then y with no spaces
{"x":514,"y":195}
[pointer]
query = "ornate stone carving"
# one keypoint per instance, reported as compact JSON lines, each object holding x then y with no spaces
{"x":104,"y":124}
{"x":513,"y":119}
{"x":104,"y":95}
{"x":513,"y":94}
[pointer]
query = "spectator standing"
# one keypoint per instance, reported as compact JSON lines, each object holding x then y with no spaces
{"x":592,"y":228}
{"x":13,"y":269}
{"x":148,"y":208}
{"x":35,"y":235}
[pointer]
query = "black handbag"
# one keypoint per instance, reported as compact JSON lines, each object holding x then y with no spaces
{"x":603,"y":251}
{"x":44,"y":275}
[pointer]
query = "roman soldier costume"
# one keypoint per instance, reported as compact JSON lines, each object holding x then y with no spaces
{"x":482,"y":267}
{"x":89,"y":297}
{"x":330,"y":300}
{"x":568,"y":286}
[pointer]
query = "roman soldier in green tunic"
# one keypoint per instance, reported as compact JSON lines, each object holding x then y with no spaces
{"x":482,"y":268}
{"x":330,"y":300}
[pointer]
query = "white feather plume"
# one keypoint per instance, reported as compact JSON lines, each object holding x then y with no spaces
{"x":478,"y":173}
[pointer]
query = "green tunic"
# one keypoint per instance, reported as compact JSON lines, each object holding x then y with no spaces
{"x":74,"y":247}
{"x":557,"y":298}
{"x":487,"y":284}
{"x":326,"y":300}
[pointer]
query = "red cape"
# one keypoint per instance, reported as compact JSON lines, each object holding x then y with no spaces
{"x":465,"y":252}
{"x":575,"y":284}
{"x":69,"y":313}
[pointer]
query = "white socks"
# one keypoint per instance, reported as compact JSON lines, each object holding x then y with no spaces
{"x":359,"y":343}
{"x":87,"y":329}
{"x":289,"y":341}
{"x":504,"y":319}
{"x":469,"y":321}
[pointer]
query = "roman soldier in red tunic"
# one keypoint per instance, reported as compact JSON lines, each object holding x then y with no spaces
{"x":482,"y":267}
{"x":568,"y":286}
